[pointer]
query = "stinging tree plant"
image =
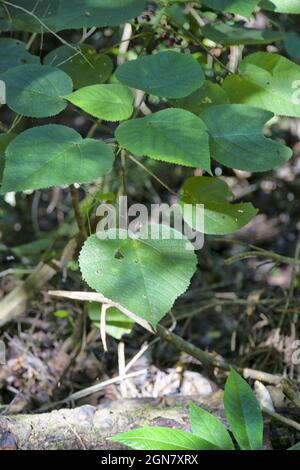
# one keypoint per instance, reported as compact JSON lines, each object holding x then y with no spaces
{"x":206,"y":113}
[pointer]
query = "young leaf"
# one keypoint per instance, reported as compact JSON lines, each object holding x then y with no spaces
{"x":159,"y":438}
{"x":58,"y":15}
{"x":230,"y":35}
{"x":117,"y":324}
{"x":85,"y":67}
{"x":143,"y":275}
{"x":220,"y":216}
{"x":210,"y":428}
{"x":13,"y":53}
{"x":172,"y":135}
{"x":36,"y":90}
{"x":281,"y":6}
{"x":108,"y":102}
{"x":240,"y":7}
{"x":267,"y":81}
{"x":53,"y":155}
{"x":208,"y":95}
{"x":169,"y":74}
{"x":236,"y":138}
{"x":243,"y":413}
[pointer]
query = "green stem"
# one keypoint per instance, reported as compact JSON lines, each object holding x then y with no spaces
{"x":153,"y":175}
{"x":263,"y":254}
{"x":77,"y":212}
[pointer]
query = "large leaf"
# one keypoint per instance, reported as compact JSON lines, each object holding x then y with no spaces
{"x":210,"y":428}
{"x":108,"y":102}
{"x":36,"y":90}
{"x":241,"y":7}
{"x":229,"y":35}
{"x":53,"y":155}
{"x":220,"y":216}
{"x":237,"y":141}
{"x":156,"y":438}
{"x":267,"y":81}
{"x":143,"y":275}
{"x":243,"y":413}
{"x":116,"y":323}
{"x":172,"y":135}
{"x":206,"y":96}
{"x":84,"y":66}
{"x":281,"y":6}
{"x":13,"y":53}
{"x":58,"y":15}
{"x":169,"y":74}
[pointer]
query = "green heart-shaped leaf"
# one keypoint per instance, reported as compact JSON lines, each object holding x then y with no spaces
{"x":53,"y":155}
{"x":143,"y":275}
{"x":169,"y":74}
{"x":220,"y":216}
{"x":268,"y":81}
{"x":172,"y":135}
{"x":236,"y":138}
{"x":108,"y":102}
{"x":36,"y":90}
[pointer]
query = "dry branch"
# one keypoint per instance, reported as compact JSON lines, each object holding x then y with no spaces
{"x":88,"y":427}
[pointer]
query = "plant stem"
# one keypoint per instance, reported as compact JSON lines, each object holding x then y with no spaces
{"x":78,"y":215}
{"x":189,"y":348}
{"x":153,"y":175}
{"x":263,"y":254}
{"x":282,"y":419}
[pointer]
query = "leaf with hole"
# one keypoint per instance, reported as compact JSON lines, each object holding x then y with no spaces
{"x":172,"y":135}
{"x":268,"y":81}
{"x":13,"y":53}
{"x":243,"y":413}
{"x":210,"y":428}
{"x":208,"y":95}
{"x":85,"y":66}
{"x":168,"y":74}
{"x":109,"y":102}
{"x":240,"y":7}
{"x":236,"y":138}
{"x":221,"y":217}
{"x":57,"y":15}
{"x":143,"y":275}
{"x":159,"y":438}
{"x":228,"y":35}
{"x":36,"y":90}
{"x":53,"y":155}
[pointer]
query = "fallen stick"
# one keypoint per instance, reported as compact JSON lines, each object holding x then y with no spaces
{"x":88,"y":427}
